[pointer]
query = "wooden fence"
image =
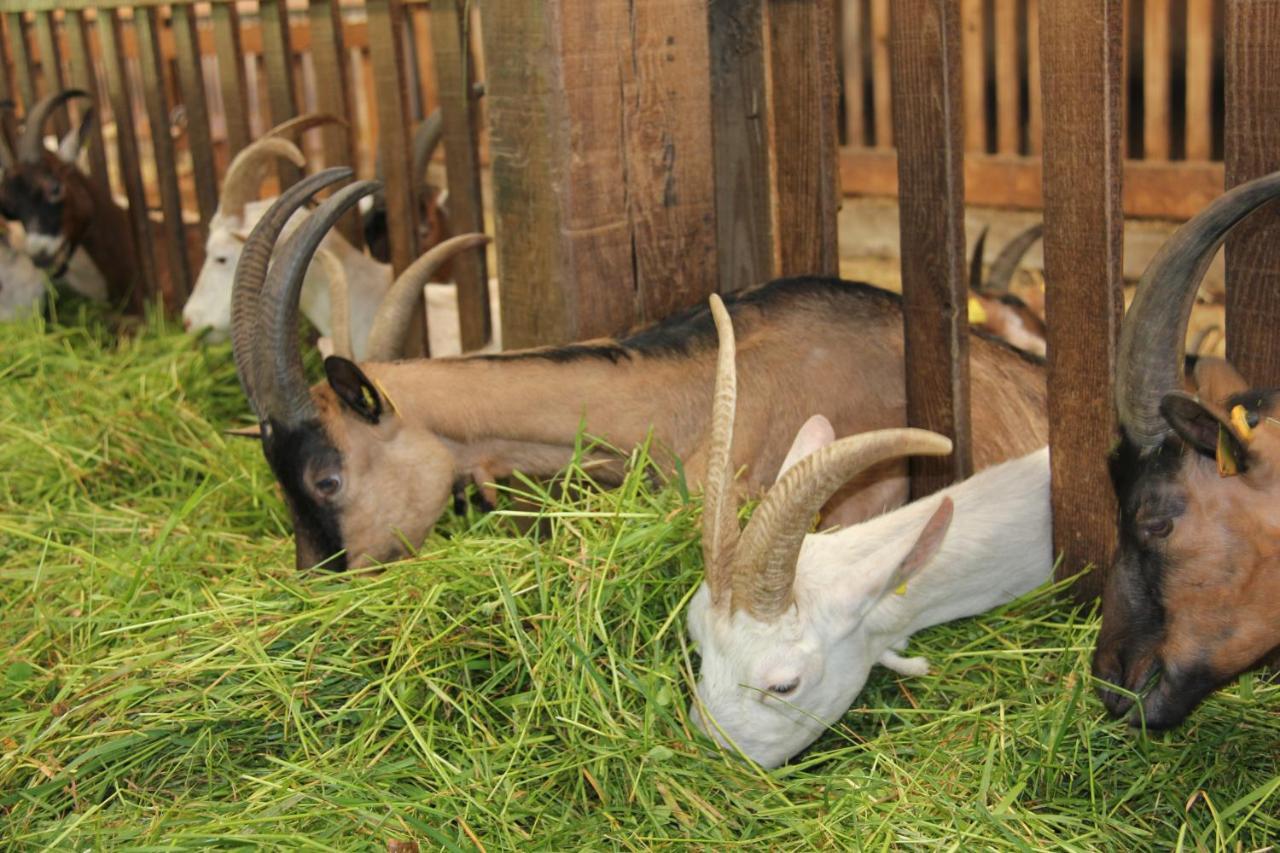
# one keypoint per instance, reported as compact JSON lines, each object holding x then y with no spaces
{"x":646,"y":154}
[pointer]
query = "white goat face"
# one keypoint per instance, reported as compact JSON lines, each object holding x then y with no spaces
{"x":22,"y":285}
{"x":208,"y":308}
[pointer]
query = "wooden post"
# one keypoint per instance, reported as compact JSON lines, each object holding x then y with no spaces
{"x":277,"y":55}
{"x":881,"y":91}
{"x":51,"y":65}
{"x":333,"y":95}
{"x":974,"y":55}
{"x":1155,"y":79}
{"x":805,"y":135}
{"x":1083,"y":246}
{"x":1253,"y":150}
{"x":600,"y":166}
{"x":6,"y":67}
{"x":82,"y":75}
{"x":235,"y":94}
{"x":1199,"y":95}
{"x":455,"y":74}
{"x":740,"y":128}
{"x":199,"y":139}
{"x":851,"y":29}
{"x":21,"y":48}
{"x":927,"y":106}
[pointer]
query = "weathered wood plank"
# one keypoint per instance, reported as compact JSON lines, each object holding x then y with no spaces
{"x":51,"y":66}
{"x":1083,"y":248}
{"x":851,"y":32}
{"x":739,"y":116}
{"x":882,"y":94}
{"x":111,"y":37}
{"x":429,"y":88}
{"x":80,"y":53}
{"x":1199,"y":93}
{"x":1007,"y":71}
{"x":20,"y":46}
{"x":199,"y":137}
{"x":455,"y":75}
{"x":235,"y":93}
{"x":6,"y":62}
{"x":1252,"y":128}
{"x":927,"y":107}
{"x":147,"y":24}
{"x":1155,"y":79}
{"x":277,"y":55}
{"x":973,"y":51}
{"x":333,"y":95}
{"x":805,"y":134}
{"x":1035,"y":111}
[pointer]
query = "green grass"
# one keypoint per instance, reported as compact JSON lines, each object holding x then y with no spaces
{"x":169,"y":680}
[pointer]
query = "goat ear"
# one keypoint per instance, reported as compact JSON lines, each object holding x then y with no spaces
{"x":71,"y":144}
{"x":816,"y":434}
{"x":924,"y":549}
{"x":1207,"y":432}
{"x":1216,"y":379}
{"x":353,"y":388}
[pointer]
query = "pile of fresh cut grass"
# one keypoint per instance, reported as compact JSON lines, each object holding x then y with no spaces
{"x":169,"y":680}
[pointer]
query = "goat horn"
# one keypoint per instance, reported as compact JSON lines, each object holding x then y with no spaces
{"x":395,"y":314}
{"x":297,"y":125}
{"x":719,"y":505}
{"x":31,"y":143}
{"x":975,"y":262}
{"x":251,"y":271}
{"x":249,"y":169}
{"x":288,"y":396}
{"x":1153,"y":335}
{"x":7,"y":133}
{"x":339,"y":303}
{"x":1006,"y":263}
{"x":767,"y":552}
{"x":426,"y":139}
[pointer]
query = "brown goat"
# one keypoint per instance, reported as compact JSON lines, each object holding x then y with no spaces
{"x":60,"y":208}
{"x":1193,"y":598}
{"x":993,"y":308}
{"x":368,"y":459}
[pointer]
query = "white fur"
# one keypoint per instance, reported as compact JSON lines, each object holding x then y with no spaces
{"x":21,"y":285}
{"x":997,"y":548}
{"x":209,"y":306}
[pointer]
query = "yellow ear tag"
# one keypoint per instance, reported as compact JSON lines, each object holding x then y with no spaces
{"x":1228,"y":465}
{"x":395,"y":410}
{"x":977,"y":314}
{"x":1240,"y":420}
{"x":902,"y":590}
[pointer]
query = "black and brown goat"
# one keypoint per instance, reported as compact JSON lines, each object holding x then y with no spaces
{"x":60,"y":208}
{"x":1193,"y":597}
{"x":368,"y":459}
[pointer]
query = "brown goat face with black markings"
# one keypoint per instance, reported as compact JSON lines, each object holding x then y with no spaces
{"x":1193,"y":597}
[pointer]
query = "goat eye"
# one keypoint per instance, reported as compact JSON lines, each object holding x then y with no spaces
{"x":1158,"y":529}
{"x":328,"y":485}
{"x":784,"y":689}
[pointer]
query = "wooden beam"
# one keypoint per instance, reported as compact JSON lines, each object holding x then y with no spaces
{"x":455,"y":75}
{"x":973,"y":52}
{"x":928,"y":106}
{"x":1035,"y":111}
{"x":1252,"y":131}
{"x":1007,"y":76}
{"x":235,"y":93}
{"x":20,"y":45}
{"x":851,"y":32}
{"x":51,"y":66}
{"x":1083,"y":251}
{"x":199,"y":137}
{"x":277,"y":55}
{"x":1155,"y":79}
{"x":882,"y":95}
{"x":805,"y":135}
{"x":1199,"y":94}
{"x":81,"y":54}
{"x":333,"y":95}
{"x":739,"y":127}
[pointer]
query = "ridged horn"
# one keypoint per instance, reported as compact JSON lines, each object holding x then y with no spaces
{"x":719,"y":504}
{"x":394,"y":316}
{"x":250,"y":274}
{"x":426,"y":139}
{"x":297,"y":125}
{"x":1149,"y":363}
{"x":339,"y":303}
{"x":31,"y":143}
{"x":975,"y":262}
{"x":250,"y":168}
{"x":287,"y":394}
{"x":1010,"y":257}
{"x":770,"y":545}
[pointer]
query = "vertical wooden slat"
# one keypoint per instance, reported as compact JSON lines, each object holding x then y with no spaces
{"x":1155,"y":80}
{"x":6,"y":62}
{"x":333,"y":95}
{"x":21,"y":47}
{"x":1035,"y":112}
{"x":235,"y":94}
{"x":51,"y":66}
{"x":1083,"y":246}
{"x":147,"y":25}
{"x":455,"y":74}
{"x":80,"y":53}
{"x":277,"y":55}
{"x":973,"y":51}
{"x":805,"y":135}
{"x":851,"y":29}
{"x":1007,"y":72}
{"x":111,"y":38}
{"x":744,"y":228}
{"x":1199,"y":118}
{"x":927,"y":107}
{"x":199,"y":137}
{"x":880,"y":82}
{"x":430,"y":90}
{"x":1252,"y":130}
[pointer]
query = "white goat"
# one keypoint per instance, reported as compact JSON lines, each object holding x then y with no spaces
{"x":22,"y":284}
{"x":208,"y":309}
{"x":788,"y":625}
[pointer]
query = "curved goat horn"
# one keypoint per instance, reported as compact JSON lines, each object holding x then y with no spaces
{"x":1153,"y":336}
{"x":1006,"y":263}
{"x":339,"y":303}
{"x":287,"y":396}
{"x":249,"y":169}
{"x":395,"y":314}
{"x":251,"y":271}
{"x":31,"y":143}
{"x":295,"y":126}
{"x":975,"y":262}
{"x":719,"y":505}
{"x":767,"y":552}
{"x":426,"y":139}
